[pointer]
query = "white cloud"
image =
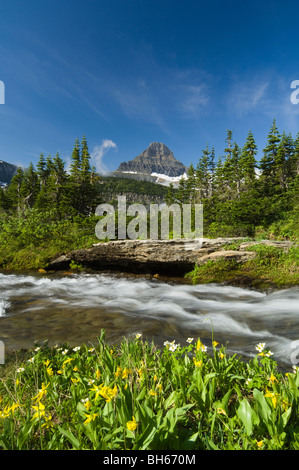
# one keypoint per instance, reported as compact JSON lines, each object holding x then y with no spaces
{"x":98,"y":153}
{"x":246,"y":97}
{"x":195,"y":98}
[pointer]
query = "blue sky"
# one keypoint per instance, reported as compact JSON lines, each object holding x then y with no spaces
{"x":126,"y":73}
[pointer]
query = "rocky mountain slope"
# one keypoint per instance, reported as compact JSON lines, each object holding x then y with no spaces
{"x":7,"y":171}
{"x":156,"y":163}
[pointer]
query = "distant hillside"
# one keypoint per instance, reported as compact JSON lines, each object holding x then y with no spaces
{"x":7,"y":171}
{"x":144,"y":192}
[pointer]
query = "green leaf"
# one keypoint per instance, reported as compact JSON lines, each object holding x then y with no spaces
{"x":70,"y":436}
{"x":23,"y":434}
{"x":226,"y":398}
{"x":265,"y":411}
{"x":5,"y":444}
{"x":211,"y":445}
{"x":244,"y":412}
{"x":189,"y":443}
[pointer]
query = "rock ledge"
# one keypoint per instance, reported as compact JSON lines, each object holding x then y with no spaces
{"x":165,"y":257}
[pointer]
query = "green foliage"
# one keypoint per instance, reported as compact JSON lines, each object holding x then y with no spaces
{"x":272,"y":266}
{"x":30,"y":239}
{"x":240,"y":194}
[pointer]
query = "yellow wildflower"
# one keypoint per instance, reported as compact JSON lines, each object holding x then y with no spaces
{"x":6,"y":412}
{"x":90,"y":418}
{"x":273,"y":396}
{"x":75,"y":380}
{"x":199,"y":346}
{"x":87,"y":404}
{"x":259,"y":444}
{"x":47,"y":362}
{"x":48,"y":422}
{"x":75,"y":369}
{"x":215,"y":343}
{"x":221,"y":411}
{"x":50,"y":371}
{"x":197,"y":363}
{"x":108,"y":393}
{"x":286,"y":405}
{"x":41,"y":392}
{"x":125,"y":373}
{"x":152,"y":393}
{"x":272,"y":379}
{"x":221,"y":355}
{"x":132,"y":425}
{"x":118,"y":371}
{"x":96,"y":389}
{"x":67,"y":361}
{"x":98,"y":373}
{"x":40,"y":411}
{"x":14,"y":406}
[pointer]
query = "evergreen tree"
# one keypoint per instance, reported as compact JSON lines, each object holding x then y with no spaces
{"x":169,"y":198}
{"x":14,"y":197}
{"x":236,"y":176}
{"x":30,"y":186}
{"x":228,"y":170}
{"x":295,"y":160}
{"x":248,"y":162}
{"x":191,"y":184}
{"x":75,"y":167}
{"x":74,"y":182}
{"x":41,"y":167}
{"x":87,"y":188}
{"x":211,"y":169}
{"x":202,"y":174}
{"x":82,"y":179}
{"x":58,"y":185}
{"x":218,"y":180}
{"x":267,"y":163}
{"x":182,"y":196}
{"x":3,"y":200}
{"x":284,"y":161}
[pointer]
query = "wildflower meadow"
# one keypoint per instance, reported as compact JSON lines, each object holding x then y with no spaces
{"x":136,"y":396}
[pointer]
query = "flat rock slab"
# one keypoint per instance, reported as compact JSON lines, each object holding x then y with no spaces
{"x":166,"y":257}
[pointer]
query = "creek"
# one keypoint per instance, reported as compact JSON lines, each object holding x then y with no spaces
{"x":74,"y":308}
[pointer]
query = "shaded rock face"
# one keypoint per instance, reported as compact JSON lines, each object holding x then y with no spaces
{"x":165,"y":257}
{"x":7,"y":171}
{"x":157,"y":158}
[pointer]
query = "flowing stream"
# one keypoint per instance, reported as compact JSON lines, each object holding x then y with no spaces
{"x":74,"y":309}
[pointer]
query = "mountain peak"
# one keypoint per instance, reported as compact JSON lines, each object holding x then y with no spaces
{"x":157,"y":158}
